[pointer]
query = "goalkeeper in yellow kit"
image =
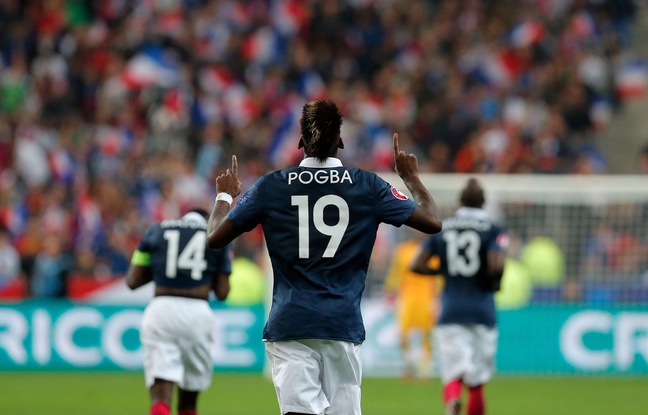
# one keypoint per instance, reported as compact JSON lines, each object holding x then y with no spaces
{"x":416,"y":298}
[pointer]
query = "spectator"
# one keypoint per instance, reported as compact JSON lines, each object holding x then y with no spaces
{"x":51,"y":268}
{"x":643,"y":160}
{"x":110,"y":101}
{"x":9,"y":259}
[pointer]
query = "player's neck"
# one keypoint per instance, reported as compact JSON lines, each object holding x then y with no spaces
{"x":471,"y":212}
{"x":314,"y":162}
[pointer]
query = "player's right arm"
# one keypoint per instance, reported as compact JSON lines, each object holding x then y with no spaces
{"x":138,"y":276}
{"x":139,"y":272}
{"x":420,"y":261}
{"x":220,"y":229}
{"x":426,"y":216}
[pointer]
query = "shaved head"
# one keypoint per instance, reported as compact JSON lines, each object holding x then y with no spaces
{"x":472,"y":194}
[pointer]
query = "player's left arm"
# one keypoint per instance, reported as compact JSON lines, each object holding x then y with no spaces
{"x":221,"y":285}
{"x":496,"y":259}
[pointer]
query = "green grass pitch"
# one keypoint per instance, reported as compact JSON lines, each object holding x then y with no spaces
{"x":115,"y":393}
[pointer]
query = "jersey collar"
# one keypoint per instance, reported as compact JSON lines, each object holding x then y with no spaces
{"x":313,"y":162}
{"x":468,"y":212}
{"x":195,"y":217}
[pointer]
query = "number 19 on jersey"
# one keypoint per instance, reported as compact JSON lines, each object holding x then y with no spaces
{"x":335,"y":232}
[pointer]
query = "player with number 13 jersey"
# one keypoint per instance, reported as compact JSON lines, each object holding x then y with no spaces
{"x":472,"y":251}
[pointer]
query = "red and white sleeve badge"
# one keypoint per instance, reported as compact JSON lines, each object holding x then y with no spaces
{"x":398,"y":194}
{"x":503,"y":241}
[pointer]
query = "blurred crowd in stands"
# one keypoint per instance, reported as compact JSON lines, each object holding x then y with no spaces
{"x":116,"y":113}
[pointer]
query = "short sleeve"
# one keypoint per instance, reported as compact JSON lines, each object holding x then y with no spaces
{"x":248,"y":212}
{"x":149,"y":239}
{"x":142,"y":255}
{"x":392,"y":206}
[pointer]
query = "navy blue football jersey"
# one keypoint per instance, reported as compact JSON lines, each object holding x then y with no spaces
{"x":462,"y":247}
{"x":320,"y":222}
{"x":177,"y":252}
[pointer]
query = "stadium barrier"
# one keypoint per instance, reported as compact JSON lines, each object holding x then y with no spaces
{"x":60,"y":335}
{"x":534,"y":339}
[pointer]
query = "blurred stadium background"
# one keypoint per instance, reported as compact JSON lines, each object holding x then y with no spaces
{"x":115,"y":114}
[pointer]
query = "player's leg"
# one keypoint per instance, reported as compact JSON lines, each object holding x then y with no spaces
{"x":476,"y":400}
{"x":187,"y":402}
{"x":296,"y":373}
{"x":161,"y":392}
{"x":452,"y":396}
{"x":162,"y":361}
{"x":406,"y":353}
{"x":484,"y":345}
{"x":406,"y":320}
{"x":425,"y":364}
{"x":196,"y":345}
{"x":453,"y":363}
{"x":341,"y":376}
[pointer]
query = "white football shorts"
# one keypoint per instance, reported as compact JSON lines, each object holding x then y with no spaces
{"x":177,"y":335}
{"x":466,"y":352}
{"x":316,"y":376}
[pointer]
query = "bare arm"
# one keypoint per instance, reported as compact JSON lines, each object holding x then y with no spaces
{"x":221,"y":230}
{"x":420,"y":263}
{"x":138,"y":276}
{"x":426,"y":216}
{"x":221,"y":286}
{"x":496,"y":261}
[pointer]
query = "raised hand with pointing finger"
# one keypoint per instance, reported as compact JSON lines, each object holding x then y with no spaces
{"x":406,"y":164}
{"x":229,"y":182}
{"x":228,"y":187}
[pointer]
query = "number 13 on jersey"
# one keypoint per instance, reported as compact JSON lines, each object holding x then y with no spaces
{"x":335,"y":232}
{"x":468,"y":241}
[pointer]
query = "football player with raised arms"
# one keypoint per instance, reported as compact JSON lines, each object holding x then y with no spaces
{"x":320,"y":221}
{"x":472,"y":251}
{"x":177,"y":331}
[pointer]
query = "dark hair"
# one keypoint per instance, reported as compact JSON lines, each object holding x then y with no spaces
{"x":200,"y":211}
{"x":472,"y":194}
{"x":320,"y":128}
